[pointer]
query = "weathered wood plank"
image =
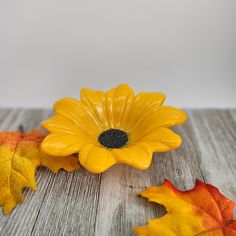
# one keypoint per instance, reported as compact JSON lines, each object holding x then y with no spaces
{"x":233,"y":114}
{"x":4,"y":113}
{"x":81,"y":203}
{"x":216,"y":134}
{"x":69,"y":206}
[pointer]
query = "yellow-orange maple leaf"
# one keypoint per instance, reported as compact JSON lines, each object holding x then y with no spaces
{"x":20,"y":155}
{"x":202,"y":211}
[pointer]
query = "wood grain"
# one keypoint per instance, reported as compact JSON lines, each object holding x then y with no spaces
{"x":81,"y":203}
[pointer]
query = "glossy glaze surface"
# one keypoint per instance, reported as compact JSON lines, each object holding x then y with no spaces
{"x":77,"y":125}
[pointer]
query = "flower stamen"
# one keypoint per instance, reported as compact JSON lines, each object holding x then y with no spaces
{"x":113,"y":138}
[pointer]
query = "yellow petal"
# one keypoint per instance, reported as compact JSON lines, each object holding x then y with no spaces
{"x":143,"y":105}
{"x":78,"y":113}
{"x":68,"y":163}
{"x":165,"y":116}
{"x":96,"y":159}
{"x":118,"y":104}
{"x":161,"y":136}
{"x":62,"y":144}
{"x":60,"y":124}
{"x":95,"y":101}
{"x":149,"y":100}
{"x":138,"y":155}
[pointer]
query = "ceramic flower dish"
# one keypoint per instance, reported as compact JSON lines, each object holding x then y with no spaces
{"x":112,"y":127}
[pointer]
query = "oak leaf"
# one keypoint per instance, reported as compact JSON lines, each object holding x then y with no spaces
{"x":201,"y":211}
{"x":20,"y":155}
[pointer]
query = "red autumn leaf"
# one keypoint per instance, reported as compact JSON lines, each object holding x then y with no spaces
{"x":201,"y":211}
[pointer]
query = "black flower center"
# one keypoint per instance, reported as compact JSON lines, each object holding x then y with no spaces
{"x":113,"y":138}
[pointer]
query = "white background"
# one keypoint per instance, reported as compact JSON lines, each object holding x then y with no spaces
{"x":52,"y":48}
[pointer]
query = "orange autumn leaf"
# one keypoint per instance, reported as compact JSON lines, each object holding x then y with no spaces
{"x":201,"y":211}
{"x":20,"y":155}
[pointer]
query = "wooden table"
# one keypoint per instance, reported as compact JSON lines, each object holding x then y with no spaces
{"x":81,"y":203}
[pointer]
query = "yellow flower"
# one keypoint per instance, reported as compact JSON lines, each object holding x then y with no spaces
{"x":113,"y":127}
